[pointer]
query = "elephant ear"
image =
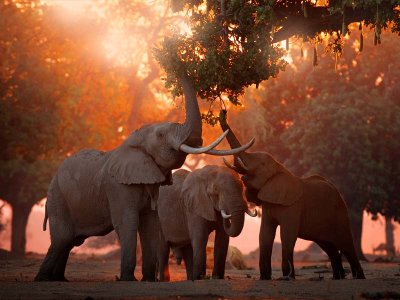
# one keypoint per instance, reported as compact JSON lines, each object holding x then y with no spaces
{"x":131,"y":165}
{"x":195,"y":196}
{"x":283,"y":188}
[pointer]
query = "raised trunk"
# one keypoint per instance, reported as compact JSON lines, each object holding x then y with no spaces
{"x":390,"y":249}
{"x":191,"y":133}
{"x":232,"y":139}
{"x":20,"y":215}
{"x":356,"y":221}
{"x":234,"y":225}
{"x":233,"y":142}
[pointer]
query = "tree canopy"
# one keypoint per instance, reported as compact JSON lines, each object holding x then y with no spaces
{"x":232,"y":44}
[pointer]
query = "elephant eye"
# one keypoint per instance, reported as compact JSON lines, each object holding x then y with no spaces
{"x":160,"y":135}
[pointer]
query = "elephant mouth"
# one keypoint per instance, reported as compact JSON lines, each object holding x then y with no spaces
{"x":238,"y":165}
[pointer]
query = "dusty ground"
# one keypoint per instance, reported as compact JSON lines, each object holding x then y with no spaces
{"x":95,"y":278}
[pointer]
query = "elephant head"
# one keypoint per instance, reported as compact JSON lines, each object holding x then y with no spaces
{"x":215,"y":190}
{"x":149,"y":154}
{"x":264,"y":177}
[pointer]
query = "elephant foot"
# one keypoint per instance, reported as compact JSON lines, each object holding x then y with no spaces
{"x":263,"y":277}
{"x":339,"y":276}
{"x":44,"y":277}
{"x":360,"y":275}
{"x":152,"y":279}
{"x":286,"y":278}
{"x":126,"y":278}
{"x":61,"y":279}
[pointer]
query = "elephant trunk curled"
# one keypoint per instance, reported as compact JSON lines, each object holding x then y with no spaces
{"x":233,"y":226}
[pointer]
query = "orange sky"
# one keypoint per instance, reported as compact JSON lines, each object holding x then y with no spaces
{"x":39,"y":241}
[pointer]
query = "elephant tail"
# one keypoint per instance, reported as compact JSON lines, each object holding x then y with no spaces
{"x":46,"y":216}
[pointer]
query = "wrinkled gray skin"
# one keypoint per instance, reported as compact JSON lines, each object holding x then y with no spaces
{"x":190,"y":210}
{"x":95,"y":192}
{"x":309,"y":208}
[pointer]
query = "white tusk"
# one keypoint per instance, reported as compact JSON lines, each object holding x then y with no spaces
{"x":192,"y":150}
{"x":224,"y":215}
{"x":251,"y":213}
{"x":231,"y":151}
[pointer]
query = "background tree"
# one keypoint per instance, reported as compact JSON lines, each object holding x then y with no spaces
{"x":232,"y":44}
{"x":53,"y":101}
{"x":316,"y":119}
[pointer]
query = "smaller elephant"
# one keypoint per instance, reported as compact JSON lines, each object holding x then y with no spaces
{"x":198,"y":203}
{"x":309,"y":208}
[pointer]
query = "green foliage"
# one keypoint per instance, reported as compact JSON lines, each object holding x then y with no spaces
{"x":224,"y":54}
{"x":231,"y":43}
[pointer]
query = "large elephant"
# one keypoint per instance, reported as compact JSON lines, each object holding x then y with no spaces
{"x":94,"y":192}
{"x":309,"y":208}
{"x":197,"y":203}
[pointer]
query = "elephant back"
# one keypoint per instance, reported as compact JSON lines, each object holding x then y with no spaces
{"x":170,"y":209}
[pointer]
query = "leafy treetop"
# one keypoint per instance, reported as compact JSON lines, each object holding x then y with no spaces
{"x":232,"y":43}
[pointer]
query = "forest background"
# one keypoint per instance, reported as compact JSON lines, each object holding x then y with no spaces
{"x":75,"y":76}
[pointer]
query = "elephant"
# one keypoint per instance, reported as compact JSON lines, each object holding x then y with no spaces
{"x":198,"y":203}
{"x":94,"y":192}
{"x":308,"y":208}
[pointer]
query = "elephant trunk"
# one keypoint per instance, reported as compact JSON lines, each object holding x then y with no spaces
{"x":233,"y":226}
{"x":234,"y":143}
{"x":190,"y":132}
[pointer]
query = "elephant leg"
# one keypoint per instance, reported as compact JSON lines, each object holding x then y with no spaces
{"x":221,"y":245}
{"x":199,"y":244}
{"x":187,"y":252}
{"x":59,"y":269}
{"x":163,"y":257}
{"x":288,"y":238}
{"x":124,"y":201}
{"x":53,"y":266}
{"x":128,"y":240}
{"x":266,"y":240}
{"x":335,"y":258}
{"x":149,"y":230}
{"x":347,"y":248}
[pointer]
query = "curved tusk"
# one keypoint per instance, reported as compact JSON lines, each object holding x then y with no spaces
{"x":251,"y":213}
{"x":224,"y":215}
{"x":241,"y":164}
{"x":229,"y":165}
{"x":192,"y":150}
{"x":231,"y":151}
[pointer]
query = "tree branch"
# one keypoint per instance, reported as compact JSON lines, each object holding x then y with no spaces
{"x":319,"y":19}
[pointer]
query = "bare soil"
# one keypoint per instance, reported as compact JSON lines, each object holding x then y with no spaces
{"x":94,"y":277}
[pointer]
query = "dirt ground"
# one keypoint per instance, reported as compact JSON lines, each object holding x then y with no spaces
{"x":95,"y":278}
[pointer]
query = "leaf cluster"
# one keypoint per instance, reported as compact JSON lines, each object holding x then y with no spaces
{"x":227,"y":51}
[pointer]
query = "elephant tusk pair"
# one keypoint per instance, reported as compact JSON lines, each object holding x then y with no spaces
{"x":248,"y":211}
{"x":209,"y":149}
{"x":231,"y":151}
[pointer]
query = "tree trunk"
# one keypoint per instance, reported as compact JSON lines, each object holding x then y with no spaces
{"x":356,"y":221}
{"x":390,"y":249}
{"x":20,"y":215}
